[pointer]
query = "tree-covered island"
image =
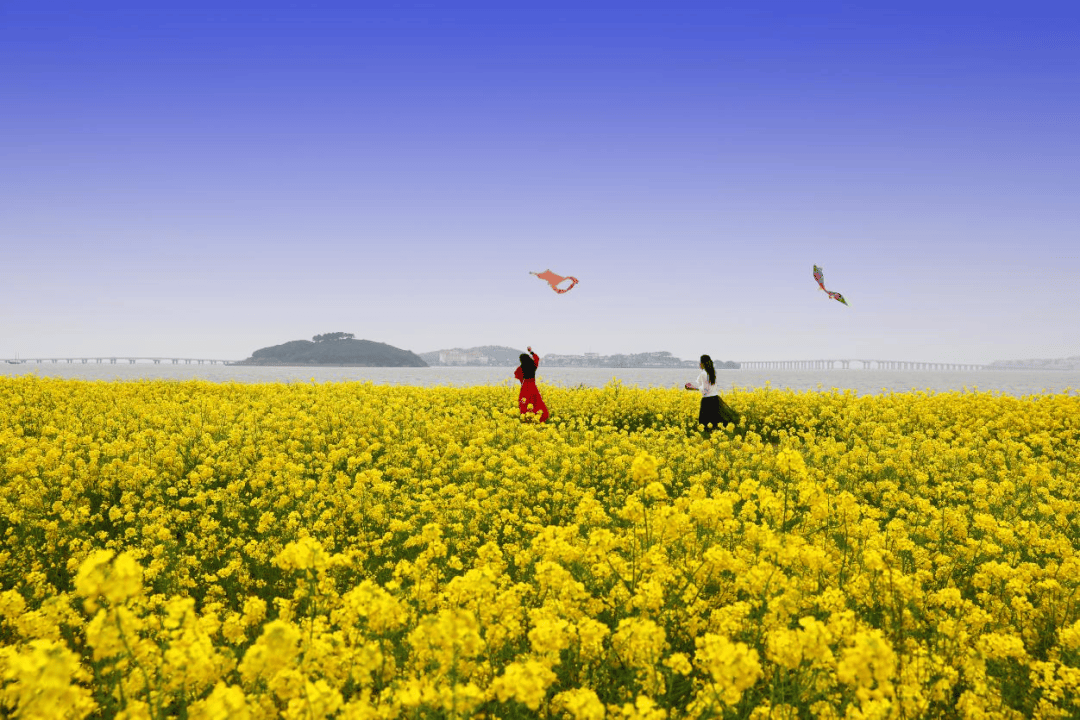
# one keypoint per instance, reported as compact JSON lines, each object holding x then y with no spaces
{"x":335,"y":349}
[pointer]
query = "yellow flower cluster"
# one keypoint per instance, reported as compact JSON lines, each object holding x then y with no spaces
{"x":353,"y":551}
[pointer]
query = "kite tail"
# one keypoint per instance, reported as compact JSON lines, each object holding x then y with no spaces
{"x":573,"y":281}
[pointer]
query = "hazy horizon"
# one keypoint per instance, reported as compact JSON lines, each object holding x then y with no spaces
{"x":204,"y":180}
{"x":555,"y":351}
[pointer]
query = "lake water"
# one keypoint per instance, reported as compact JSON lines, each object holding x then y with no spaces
{"x":864,"y":382}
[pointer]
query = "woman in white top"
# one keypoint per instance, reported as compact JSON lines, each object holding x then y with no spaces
{"x":714,"y":411}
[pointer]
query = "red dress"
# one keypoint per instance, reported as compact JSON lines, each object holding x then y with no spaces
{"x":529,"y":395}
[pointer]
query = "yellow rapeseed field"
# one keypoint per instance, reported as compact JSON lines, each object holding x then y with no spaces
{"x":202,"y":550}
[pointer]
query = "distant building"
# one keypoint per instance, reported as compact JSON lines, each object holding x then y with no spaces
{"x":463,"y":357}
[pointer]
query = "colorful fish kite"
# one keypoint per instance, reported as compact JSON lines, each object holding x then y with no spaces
{"x":553,"y":280}
{"x":821,"y":281}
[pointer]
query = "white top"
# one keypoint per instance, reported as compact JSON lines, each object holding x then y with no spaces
{"x":707,"y":389}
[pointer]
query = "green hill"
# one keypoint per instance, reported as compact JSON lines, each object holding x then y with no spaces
{"x":340,"y":352}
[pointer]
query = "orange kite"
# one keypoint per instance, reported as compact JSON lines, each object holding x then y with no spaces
{"x":553,"y":280}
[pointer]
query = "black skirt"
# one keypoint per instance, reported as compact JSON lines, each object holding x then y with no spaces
{"x":716,"y":412}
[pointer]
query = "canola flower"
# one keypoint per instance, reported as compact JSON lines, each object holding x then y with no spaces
{"x":347,"y":550}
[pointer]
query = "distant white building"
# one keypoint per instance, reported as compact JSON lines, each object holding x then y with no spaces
{"x":461,"y":357}
{"x":452,"y":357}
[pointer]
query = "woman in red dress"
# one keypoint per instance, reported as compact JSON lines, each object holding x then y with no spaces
{"x":529,"y":395}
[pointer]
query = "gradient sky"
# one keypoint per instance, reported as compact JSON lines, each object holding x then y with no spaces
{"x":203,"y":179}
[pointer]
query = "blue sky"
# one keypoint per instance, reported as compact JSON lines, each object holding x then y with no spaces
{"x":205,"y":179}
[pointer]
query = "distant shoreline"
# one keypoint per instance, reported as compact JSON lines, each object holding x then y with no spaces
{"x":463,"y":365}
{"x":329,"y":365}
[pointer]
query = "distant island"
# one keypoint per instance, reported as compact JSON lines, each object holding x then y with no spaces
{"x":335,"y":349}
{"x":496,"y":355}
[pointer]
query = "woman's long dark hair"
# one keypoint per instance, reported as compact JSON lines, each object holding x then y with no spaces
{"x":528,"y":367}
{"x":707,"y":362}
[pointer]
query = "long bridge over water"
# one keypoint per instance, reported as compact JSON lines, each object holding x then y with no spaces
{"x":846,"y":364}
{"x":122,"y":358}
